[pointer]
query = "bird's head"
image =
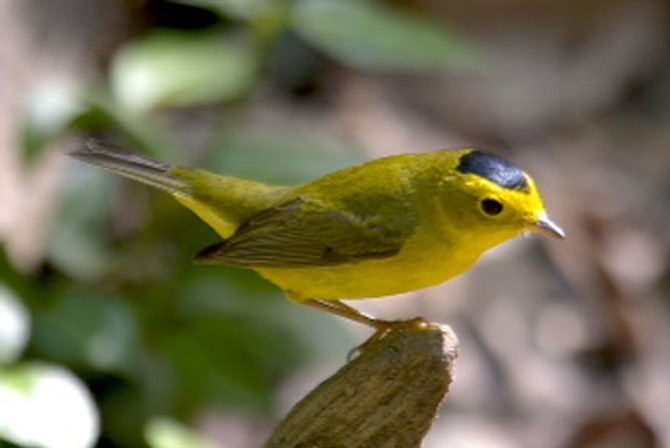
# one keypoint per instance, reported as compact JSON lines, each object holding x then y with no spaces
{"x":498,"y":200}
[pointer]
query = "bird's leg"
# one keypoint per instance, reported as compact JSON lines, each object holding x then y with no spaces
{"x":343,"y":310}
{"x":381,"y":327}
{"x":340,"y":309}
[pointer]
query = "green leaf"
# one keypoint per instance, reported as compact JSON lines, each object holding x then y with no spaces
{"x":370,"y":36}
{"x":242,"y":9}
{"x":167,"y":433}
{"x":51,"y":110}
{"x":171,"y":68}
{"x":90,"y":329}
{"x":243,"y":296}
{"x":141,"y":134}
{"x":79,"y":242}
{"x":231,"y":361}
{"x":279,"y":157}
{"x":14,"y":326}
{"x":46,"y":406}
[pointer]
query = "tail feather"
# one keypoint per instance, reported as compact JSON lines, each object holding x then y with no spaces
{"x":223,"y":202}
{"x":131,"y":165}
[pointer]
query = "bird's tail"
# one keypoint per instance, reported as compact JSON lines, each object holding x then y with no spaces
{"x":223,"y":202}
{"x":134,"y":166}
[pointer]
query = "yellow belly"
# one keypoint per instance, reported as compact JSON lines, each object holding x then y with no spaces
{"x":418,"y":266}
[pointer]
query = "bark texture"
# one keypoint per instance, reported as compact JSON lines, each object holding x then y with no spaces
{"x":387,"y":396}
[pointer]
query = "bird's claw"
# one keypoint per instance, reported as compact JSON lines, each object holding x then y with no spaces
{"x":385,"y":327}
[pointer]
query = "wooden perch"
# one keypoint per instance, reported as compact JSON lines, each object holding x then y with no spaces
{"x":386,"y":397}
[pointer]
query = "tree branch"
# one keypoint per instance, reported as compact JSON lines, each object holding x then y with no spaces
{"x":386,"y":397}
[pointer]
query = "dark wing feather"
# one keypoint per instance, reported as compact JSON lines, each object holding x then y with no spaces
{"x":300,"y":233}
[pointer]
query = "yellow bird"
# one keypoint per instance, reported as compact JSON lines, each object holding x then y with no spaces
{"x":388,"y":226}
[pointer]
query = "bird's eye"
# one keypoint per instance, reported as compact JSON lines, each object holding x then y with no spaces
{"x":491,"y":207}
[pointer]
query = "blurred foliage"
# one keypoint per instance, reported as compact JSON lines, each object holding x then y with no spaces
{"x":166,"y":433}
{"x":205,"y":67}
{"x":368,"y":36}
{"x":182,"y":68}
{"x":117,"y":301}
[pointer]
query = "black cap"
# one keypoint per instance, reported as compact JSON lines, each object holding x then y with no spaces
{"x":493,"y":168}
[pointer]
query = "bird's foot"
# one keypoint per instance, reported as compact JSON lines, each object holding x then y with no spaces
{"x":385,"y":327}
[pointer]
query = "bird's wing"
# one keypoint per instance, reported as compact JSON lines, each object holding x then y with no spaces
{"x":301,"y":233}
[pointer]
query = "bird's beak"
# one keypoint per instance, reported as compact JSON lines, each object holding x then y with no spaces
{"x":545,"y":226}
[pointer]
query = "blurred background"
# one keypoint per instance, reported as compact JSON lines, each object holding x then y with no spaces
{"x":111,"y":337}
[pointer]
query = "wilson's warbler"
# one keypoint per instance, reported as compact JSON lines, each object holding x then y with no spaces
{"x":388,"y":226}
